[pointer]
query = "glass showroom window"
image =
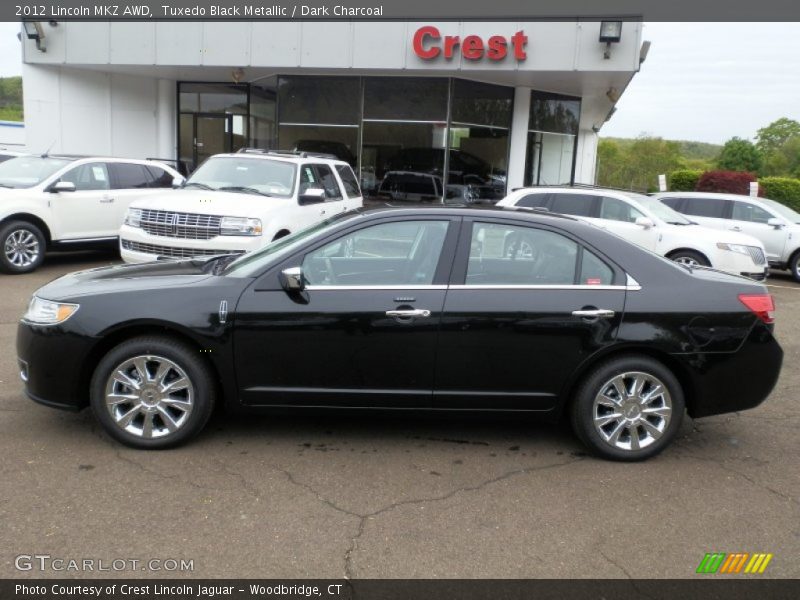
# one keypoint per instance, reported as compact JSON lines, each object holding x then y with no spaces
{"x":480,"y":121}
{"x":320,"y":114}
{"x":404,"y":132}
{"x":552,"y":136}
{"x":263,"y":109}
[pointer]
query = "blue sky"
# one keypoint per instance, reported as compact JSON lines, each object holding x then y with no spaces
{"x":702,"y":81}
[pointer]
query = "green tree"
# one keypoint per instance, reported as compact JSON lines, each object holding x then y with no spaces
{"x":776,"y":134}
{"x":636,"y":165}
{"x":740,"y":155}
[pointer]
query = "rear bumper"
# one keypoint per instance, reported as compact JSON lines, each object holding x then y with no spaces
{"x":729,"y":382}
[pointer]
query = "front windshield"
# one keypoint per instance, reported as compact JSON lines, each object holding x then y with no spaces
{"x":253,"y":263}
{"x":245,"y":174}
{"x":28,"y":171}
{"x":661,"y":210}
{"x":782,"y":210}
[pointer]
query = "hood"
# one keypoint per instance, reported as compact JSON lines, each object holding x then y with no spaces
{"x":120,"y":278}
{"x":17,"y":192}
{"x":207,"y":202}
{"x":707,"y":234}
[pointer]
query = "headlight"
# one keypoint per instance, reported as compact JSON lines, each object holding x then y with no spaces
{"x":738,"y":248}
{"x":239,"y":226}
{"x":46,"y":312}
{"x":134,"y":217}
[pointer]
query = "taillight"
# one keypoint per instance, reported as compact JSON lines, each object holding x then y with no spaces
{"x":761,"y":304}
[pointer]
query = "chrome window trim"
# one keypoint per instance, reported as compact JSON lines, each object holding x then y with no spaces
{"x":312,"y":288}
{"x":540,"y":287}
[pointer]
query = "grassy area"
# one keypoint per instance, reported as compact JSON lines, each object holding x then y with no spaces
{"x":11,"y":113}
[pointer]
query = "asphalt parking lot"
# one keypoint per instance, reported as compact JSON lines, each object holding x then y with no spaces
{"x":291,"y":497}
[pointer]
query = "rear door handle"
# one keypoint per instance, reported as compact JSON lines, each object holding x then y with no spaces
{"x":414,"y":312}
{"x":106,"y":200}
{"x":602,"y":313}
{"x":736,"y":228}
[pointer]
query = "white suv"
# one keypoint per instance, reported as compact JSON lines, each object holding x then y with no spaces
{"x":67,"y":202}
{"x":776,"y":225}
{"x":649,"y":223}
{"x":237,"y":203}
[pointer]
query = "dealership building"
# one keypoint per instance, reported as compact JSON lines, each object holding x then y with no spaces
{"x":518,"y":102}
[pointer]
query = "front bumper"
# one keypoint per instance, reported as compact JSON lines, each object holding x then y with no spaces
{"x":52,"y":365}
{"x":138,"y":246}
{"x":739,"y":264}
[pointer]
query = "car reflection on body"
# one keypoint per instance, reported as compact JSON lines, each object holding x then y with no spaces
{"x":502,"y":310}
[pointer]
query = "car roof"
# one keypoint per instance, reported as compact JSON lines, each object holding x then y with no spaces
{"x":713,"y":195}
{"x":513,"y":212}
{"x":576,"y":189}
{"x":289,"y":156}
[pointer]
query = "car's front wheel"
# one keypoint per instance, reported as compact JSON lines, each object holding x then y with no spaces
{"x":152,"y":392}
{"x":629,"y":408}
{"x":23,"y":247}
{"x":794,"y":266}
{"x":690,"y":258}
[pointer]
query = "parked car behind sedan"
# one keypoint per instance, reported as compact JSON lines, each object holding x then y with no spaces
{"x":68,"y":203}
{"x":573,"y":322}
{"x":652,"y":225}
{"x":774,"y":224}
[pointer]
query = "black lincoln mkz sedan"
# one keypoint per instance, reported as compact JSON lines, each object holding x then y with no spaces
{"x":413,"y":309}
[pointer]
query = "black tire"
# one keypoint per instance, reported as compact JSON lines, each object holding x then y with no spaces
{"x":189,"y":407}
{"x":584,"y":409}
{"x":22,"y":247}
{"x":690,"y":256}
{"x":794,"y":266}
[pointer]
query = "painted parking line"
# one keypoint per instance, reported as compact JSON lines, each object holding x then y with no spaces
{"x":786,"y":287}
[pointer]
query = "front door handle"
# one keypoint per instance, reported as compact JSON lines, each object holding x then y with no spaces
{"x":601,"y":313}
{"x":106,"y":200}
{"x":412,"y":312}
{"x":736,"y":228}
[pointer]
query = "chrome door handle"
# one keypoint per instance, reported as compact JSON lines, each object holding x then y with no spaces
{"x":415,"y":312}
{"x":736,"y":228}
{"x":106,"y":200}
{"x":603,"y":313}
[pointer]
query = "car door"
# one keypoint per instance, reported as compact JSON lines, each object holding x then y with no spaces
{"x":352,"y":192}
{"x":748,"y":218}
{"x":89,"y":211}
{"x":129,"y":182}
{"x":318,"y":176}
{"x":526,"y":306}
{"x":363,"y":332}
{"x":619,"y":216}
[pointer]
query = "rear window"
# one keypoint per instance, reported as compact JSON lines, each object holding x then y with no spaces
{"x":130,"y":176}
{"x":349,"y":180}
{"x":705,"y":207}
{"x":671,"y":202}
{"x":579,"y":205}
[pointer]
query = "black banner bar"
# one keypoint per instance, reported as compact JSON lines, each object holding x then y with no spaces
{"x":704,"y":587}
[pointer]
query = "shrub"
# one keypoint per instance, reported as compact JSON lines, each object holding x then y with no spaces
{"x":726,"y":182}
{"x":684,"y":180}
{"x":782,"y":189}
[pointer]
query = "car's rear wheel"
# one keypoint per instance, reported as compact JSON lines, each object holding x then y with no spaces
{"x":629,"y":408}
{"x":690,"y":258}
{"x":152,"y":392}
{"x":23,"y":247}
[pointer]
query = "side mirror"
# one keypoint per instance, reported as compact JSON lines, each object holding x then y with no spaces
{"x":644,"y":222}
{"x":311,"y":196}
{"x":62,"y":186}
{"x":292,"y":279}
{"x":177,"y":182}
{"x":775,"y":222}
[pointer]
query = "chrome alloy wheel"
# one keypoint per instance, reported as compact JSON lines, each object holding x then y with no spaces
{"x":149,"y":396}
{"x":632,"y":410}
{"x":21,"y":248}
{"x":688,"y":261}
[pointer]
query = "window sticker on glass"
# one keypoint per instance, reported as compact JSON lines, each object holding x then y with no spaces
{"x":493,"y":242}
{"x":99,"y":173}
{"x":594,"y":281}
{"x":310,"y":174}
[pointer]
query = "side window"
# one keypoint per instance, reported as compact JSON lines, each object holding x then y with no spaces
{"x":744,"y":211}
{"x":308,"y":179}
{"x":401,"y":253}
{"x":91,"y":176}
{"x":705,"y":207}
{"x":617,"y":210}
{"x":349,"y":180}
{"x":514,"y":255}
{"x":159,"y":177}
{"x":327,"y":181}
{"x":594,"y":271}
{"x":130,"y":176}
{"x":580,"y":205}
{"x":533,"y":200}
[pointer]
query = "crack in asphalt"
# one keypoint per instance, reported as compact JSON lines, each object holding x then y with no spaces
{"x":642,"y":593}
{"x":363,"y":518}
{"x":746,"y":477}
